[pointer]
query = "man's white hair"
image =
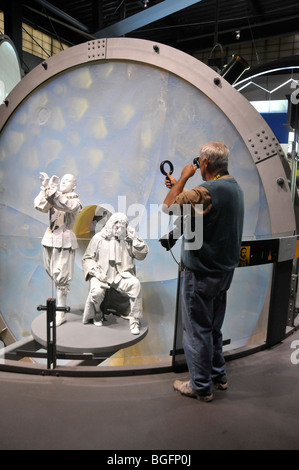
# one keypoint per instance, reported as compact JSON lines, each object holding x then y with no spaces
{"x":217,"y":154}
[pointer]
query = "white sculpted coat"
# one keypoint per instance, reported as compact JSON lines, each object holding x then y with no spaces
{"x":111,"y":259}
{"x":109,"y":262}
{"x":63,"y":210}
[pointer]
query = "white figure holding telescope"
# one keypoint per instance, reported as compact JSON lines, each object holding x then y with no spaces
{"x":59,"y":241}
{"x":109,"y":263}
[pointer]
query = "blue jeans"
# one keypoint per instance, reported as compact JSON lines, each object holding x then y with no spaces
{"x":203,"y":311}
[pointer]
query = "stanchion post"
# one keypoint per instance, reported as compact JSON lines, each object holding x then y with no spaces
{"x":51,"y":330}
{"x":51,"y":333}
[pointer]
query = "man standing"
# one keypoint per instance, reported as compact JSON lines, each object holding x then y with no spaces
{"x":59,"y":242}
{"x":209,"y":269}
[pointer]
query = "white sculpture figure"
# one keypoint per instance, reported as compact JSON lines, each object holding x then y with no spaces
{"x":59,"y":242}
{"x":109,"y":263}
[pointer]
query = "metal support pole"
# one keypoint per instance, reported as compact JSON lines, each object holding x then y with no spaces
{"x":279,"y":304}
{"x":177,"y":319}
{"x":13,"y":24}
{"x":294,"y":165}
{"x":51,"y":333}
{"x":51,"y":330}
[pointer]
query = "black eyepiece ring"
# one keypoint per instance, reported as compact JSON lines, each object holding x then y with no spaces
{"x":162,"y":169}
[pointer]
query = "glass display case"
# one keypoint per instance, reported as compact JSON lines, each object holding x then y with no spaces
{"x":109,"y":112}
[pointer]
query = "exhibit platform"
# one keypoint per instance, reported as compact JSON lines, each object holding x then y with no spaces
{"x":75,"y":337}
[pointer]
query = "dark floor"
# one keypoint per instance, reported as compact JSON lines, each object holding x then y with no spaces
{"x":259,"y":411}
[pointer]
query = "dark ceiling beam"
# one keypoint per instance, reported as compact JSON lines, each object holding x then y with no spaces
{"x":97,"y":14}
{"x":243,"y":27}
{"x":61,"y":14}
{"x":56,"y":20}
{"x":256,"y":10}
{"x":145,"y":17}
{"x":254,"y":7}
{"x":13,"y":24}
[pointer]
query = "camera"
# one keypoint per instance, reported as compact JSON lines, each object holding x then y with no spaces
{"x":196,"y":162}
{"x":169,"y":240}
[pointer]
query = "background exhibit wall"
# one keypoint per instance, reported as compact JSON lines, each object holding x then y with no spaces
{"x":111,"y":123}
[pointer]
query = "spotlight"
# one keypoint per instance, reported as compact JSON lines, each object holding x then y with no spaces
{"x":233,"y":71}
{"x":238,"y":34}
{"x":145,"y":3}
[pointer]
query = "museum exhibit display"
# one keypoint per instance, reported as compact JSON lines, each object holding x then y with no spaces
{"x":110,"y":112}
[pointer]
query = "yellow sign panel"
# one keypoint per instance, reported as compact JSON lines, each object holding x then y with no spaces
{"x":244,"y":256}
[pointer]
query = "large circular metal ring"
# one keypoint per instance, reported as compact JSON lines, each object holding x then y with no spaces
{"x":162,"y":169}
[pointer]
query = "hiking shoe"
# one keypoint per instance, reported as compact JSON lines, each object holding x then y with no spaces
{"x":206,"y":398}
{"x":221,"y":386}
{"x":185,"y":389}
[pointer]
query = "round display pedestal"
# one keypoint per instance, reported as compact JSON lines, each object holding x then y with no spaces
{"x":75,"y":337}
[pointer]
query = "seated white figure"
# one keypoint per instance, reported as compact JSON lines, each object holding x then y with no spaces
{"x":59,"y":242}
{"x":109,"y":263}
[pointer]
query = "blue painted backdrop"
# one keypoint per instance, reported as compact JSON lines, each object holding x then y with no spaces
{"x":111,"y":124}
